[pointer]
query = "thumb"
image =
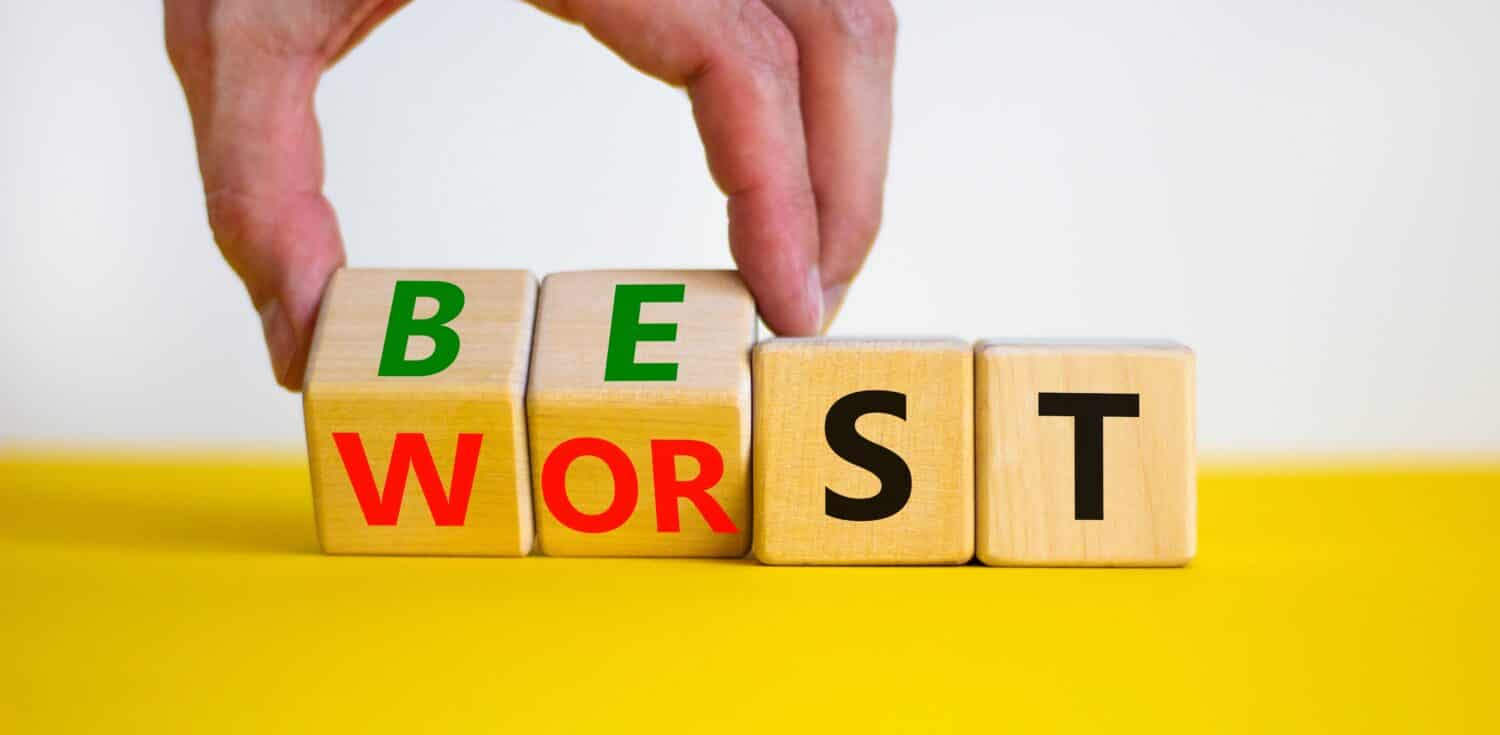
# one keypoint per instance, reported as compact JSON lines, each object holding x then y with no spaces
{"x":284,"y":250}
{"x":261,"y":157}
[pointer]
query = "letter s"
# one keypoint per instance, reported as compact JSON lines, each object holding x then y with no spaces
{"x":845,"y":441}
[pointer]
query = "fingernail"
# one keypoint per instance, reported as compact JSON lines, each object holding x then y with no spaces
{"x":815,"y":294}
{"x":281,"y":341}
{"x":833,"y":300}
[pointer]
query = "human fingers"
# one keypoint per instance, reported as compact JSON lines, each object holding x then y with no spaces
{"x":739,"y":64}
{"x":847,"y":57}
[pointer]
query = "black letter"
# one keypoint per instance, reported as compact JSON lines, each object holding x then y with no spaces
{"x":1088,"y":411}
{"x":895,"y":476}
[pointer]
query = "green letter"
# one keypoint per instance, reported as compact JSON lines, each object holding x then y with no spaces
{"x":403,"y":324}
{"x":626,"y":329}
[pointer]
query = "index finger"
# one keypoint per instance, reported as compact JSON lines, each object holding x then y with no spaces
{"x":739,"y":65}
{"x":847,"y":60}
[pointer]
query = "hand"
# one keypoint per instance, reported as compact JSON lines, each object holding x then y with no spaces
{"x":792,"y":99}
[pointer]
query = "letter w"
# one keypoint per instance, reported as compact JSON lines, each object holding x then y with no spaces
{"x":410,"y":453}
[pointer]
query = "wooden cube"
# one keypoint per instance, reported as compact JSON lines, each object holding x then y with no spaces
{"x":864,"y":451}
{"x":639,"y":410}
{"x":413,"y":405}
{"x":1086,"y":453}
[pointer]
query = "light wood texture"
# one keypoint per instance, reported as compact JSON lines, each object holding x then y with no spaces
{"x":481,"y":392}
{"x":1026,"y":501}
{"x":797,"y":381}
{"x":709,"y":401}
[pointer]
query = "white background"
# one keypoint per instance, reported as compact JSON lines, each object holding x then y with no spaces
{"x":1306,"y":193}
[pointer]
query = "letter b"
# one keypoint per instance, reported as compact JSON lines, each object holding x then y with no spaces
{"x":403,"y":324}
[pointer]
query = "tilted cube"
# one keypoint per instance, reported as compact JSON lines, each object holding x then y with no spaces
{"x":639,"y":412}
{"x":416,"y":435}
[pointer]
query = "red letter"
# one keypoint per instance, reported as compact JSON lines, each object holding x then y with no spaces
{"x":555,"y":485}
{"x":668,"y":488}
{"x":410,"y":452}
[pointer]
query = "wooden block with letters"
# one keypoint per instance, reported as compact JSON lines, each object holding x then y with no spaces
{"x":639,"y":412}
{"x":416,"y":436}
{"x":1086,"y":453}
{"x":864,"y":451}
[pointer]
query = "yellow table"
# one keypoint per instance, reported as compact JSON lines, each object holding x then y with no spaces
{"x":167,"y":593}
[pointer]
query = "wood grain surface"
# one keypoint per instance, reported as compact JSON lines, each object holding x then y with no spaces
{"x":1026,"y":461}
{"x":796,"y":382}
{"x":481,"y":393}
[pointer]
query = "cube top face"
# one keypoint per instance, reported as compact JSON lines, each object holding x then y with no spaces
{"x":860,"y":346}
{"x":864,"y":451}
{"x":491,"y":332}
{"x":581,"y":312}
{"x":1086,"y":453}
{"x":1081,"y":345}
{"x":416,"y":431}
{"x":638,"y":409}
